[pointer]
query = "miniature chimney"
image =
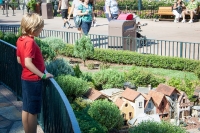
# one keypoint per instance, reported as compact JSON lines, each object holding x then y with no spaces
{"x":149,"y":87}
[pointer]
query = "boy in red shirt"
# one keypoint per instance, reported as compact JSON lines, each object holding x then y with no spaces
{"x":32,"y":62}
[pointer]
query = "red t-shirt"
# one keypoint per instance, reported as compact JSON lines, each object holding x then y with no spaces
{"x":27,"y":47}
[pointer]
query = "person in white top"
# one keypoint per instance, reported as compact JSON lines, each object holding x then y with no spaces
{"x":74,"y":9}
{"x":64,"y":4}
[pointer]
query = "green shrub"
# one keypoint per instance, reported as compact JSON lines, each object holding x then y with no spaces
{"x":47,"y":52}
{"x":1,"y":35}
{"x":104,"y":66}
{"x":186,"y":85}
{"x":137,"y":59}
{"x":143,"y":78}
{"x":108,"y":78}
{"x":10,"y":38}
{"x":197,"y":72}
{"x":55,"y":43}
{"x":83,"y":48}
{"x":106,"y":113}
{"x":86,"y":76}
{"x":90,"y":66}
{"x":59,"y":67}
{"x":87,"y":123}
{"x":77,"y":71}
{"x":73,"y":87}
{"x":154,"y":127}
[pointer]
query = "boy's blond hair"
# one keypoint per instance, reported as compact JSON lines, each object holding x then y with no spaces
{"x":30,"y":23}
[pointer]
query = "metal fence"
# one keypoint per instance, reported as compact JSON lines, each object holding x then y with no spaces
{"x":56,"y":115}
{"x":180,"y":49}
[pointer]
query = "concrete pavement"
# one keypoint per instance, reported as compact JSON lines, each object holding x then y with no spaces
{"x":161,"y":30}
{"x":10,"y":113}
{"x":10,"y":109}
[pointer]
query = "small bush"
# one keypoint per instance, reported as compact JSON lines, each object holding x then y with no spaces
{"x":59,"y":67}
{"x":104,"y":66}
{"x":77,"y":71}
{"x":55,"y":43}
{"x":47,"y":52}
{"x":10,"y":38}
{"x":73,"y":87}
{"x":106,"y":113}
{"x":1,"y":35}
{"x":108,"y":78}
{"x":90,"y":66}
{"x":142,"y":78}
{"x":154,"y":127}
{"x":197,"y":72}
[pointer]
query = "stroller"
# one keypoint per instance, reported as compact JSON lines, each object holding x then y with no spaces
{"x":141,"y":39}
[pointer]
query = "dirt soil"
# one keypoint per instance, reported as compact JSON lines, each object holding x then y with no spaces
{"x":73,"y":61}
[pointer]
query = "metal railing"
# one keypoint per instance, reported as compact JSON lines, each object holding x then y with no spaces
{"x":56,"y":115}
{"x":180,"y":49}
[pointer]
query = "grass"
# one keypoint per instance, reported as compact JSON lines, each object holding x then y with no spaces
{"x":160,"y":72}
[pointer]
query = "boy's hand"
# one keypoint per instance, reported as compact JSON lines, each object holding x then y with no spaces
{"x":48,"y":75}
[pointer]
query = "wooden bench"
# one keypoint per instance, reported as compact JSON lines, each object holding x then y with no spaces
{"x":167,"y":11}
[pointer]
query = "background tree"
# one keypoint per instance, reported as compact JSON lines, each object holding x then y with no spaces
{"x":83,"y":48}
{"x":106,"y":113}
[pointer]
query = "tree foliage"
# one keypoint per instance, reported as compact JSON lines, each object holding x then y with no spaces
{"x":185,"y":85}
{"x":154,"y":127}
{"x":106,"y":113}
{"x":83,"y":48}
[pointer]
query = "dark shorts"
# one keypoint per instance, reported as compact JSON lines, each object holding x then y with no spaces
{"x":113,"y":17}
{"x":32,"y":96}
{"x":85,"y":26}
{"x":64,"y":13}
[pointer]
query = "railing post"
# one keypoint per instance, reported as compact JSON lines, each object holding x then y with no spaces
{"x":181,"y":49}
{"x":99,"y":40}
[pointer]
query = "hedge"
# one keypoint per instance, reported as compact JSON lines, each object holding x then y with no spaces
{"x":134,"y":58}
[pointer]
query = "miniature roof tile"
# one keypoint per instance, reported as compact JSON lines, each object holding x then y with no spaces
{"x":156,"y":96}
{"x":93,"y":94}
{"x":130,"y":94}
{"x":119,"y":102}
{"x":165,"y":89}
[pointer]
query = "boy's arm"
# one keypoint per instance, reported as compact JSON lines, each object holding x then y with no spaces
{"x":18,"y":60}
{"x":32,"y":68}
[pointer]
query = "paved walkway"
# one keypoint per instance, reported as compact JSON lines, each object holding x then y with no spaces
{"x":10,"y":109}
{"x":162,"y":30}
{"x":10,"y":113}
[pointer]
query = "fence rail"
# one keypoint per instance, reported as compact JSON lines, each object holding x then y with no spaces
{"x":56,"y":115}
{"x":188,"y":50}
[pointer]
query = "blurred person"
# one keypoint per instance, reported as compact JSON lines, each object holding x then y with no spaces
{"x":177,"y":10}
{"x":111,"y":9}
{"x":85,"y":10}
{"x":191,"y":9}
{"x":64,"y":5}
{"x":74,"y":9}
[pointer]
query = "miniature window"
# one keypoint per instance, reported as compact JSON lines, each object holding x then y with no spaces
{"x":130,"y":114}
{"x":162,"y":103}
{"x":126,"y":105}
{"x":183,"y":100}
{"x":140,"y":104}
{"x":149,"y":105}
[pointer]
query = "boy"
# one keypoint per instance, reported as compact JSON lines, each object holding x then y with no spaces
{"x":32,"y":62}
